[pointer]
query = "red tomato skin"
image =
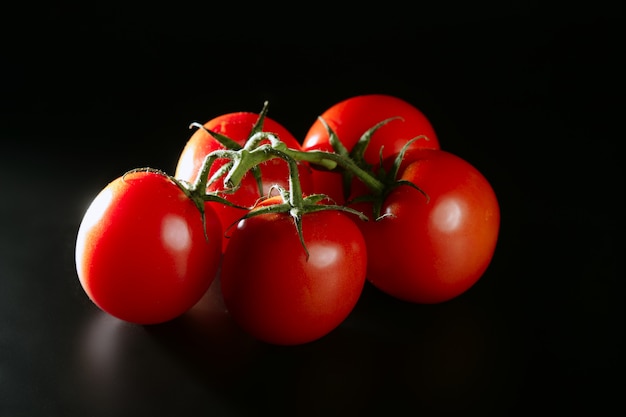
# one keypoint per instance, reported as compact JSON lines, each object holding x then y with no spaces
{"x":141,"y":253}
{"x":275,"y":172}
{"x":433,"y":251}
{"x":330,"y":184}
{"x":275,"y":294}
{"x":352,"y":117}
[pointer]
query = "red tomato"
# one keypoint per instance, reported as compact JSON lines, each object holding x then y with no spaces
{"x":278,"y":295}
{"x":352,"y":117}
{"x":237,"y":126}
{"x":430,"y":251}
{"x":141,"y":251}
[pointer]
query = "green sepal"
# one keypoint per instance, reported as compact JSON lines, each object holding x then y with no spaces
{"x":357,"y":154}
{"x":301,"y":207}
{"x":390,"y":181}
{"x":333,"y":139}
{"x":199,"y":197}
{"x":358,"y":151}
{"x":227,"y":142}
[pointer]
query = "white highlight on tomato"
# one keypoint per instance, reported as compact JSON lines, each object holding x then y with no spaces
{"x":175,"y":233}
{"x":447,"y":215}
{"x":94,"y":213}
{"x":185,"y":168}
{"x":324,"y":256}
{"x":97,"y":208}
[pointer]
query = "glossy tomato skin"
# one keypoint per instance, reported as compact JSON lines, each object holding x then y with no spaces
{"x":278,"y":296}
{"x":352,"y":117}
{"x":431,"y":251}
{"x":237,"y":126}
{"x":141,"y":252}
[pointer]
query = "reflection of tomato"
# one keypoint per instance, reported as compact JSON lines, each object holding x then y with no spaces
{"x":278,"y":295}
{"x":429,"y":251}
{"x":141,"y":252}
{"x":238,"y":126}
{"x":352,"y":117}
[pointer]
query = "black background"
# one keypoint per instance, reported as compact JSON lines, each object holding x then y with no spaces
{"x":531,"y":93}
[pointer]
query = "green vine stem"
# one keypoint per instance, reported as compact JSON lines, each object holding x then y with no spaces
{"x":296,"y":204}
{"x":251,"y":156}
{"x":321,"y":158}
{"x":263,"y":146}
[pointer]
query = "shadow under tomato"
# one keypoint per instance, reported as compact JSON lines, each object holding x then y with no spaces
{"x":109,"y":364}
{"x":207,"y":337}
{"x":386,"y":357}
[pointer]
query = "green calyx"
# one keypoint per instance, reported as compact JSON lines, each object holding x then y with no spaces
{"x":256,"y":135}
{"x":390,"y":181}
{"x":297,"y":206}
{"x":199,"y":196}
{"x":262,"y":146}
{"x":293,"y":201}
{"x":380,"y":183}
{"x":357,"y":166}
{"x":195,"y":192}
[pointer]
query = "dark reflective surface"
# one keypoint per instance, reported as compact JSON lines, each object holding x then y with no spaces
{"x":525,"y":96}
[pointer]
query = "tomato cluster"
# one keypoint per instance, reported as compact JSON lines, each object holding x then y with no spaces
{"x":293,"y":229}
